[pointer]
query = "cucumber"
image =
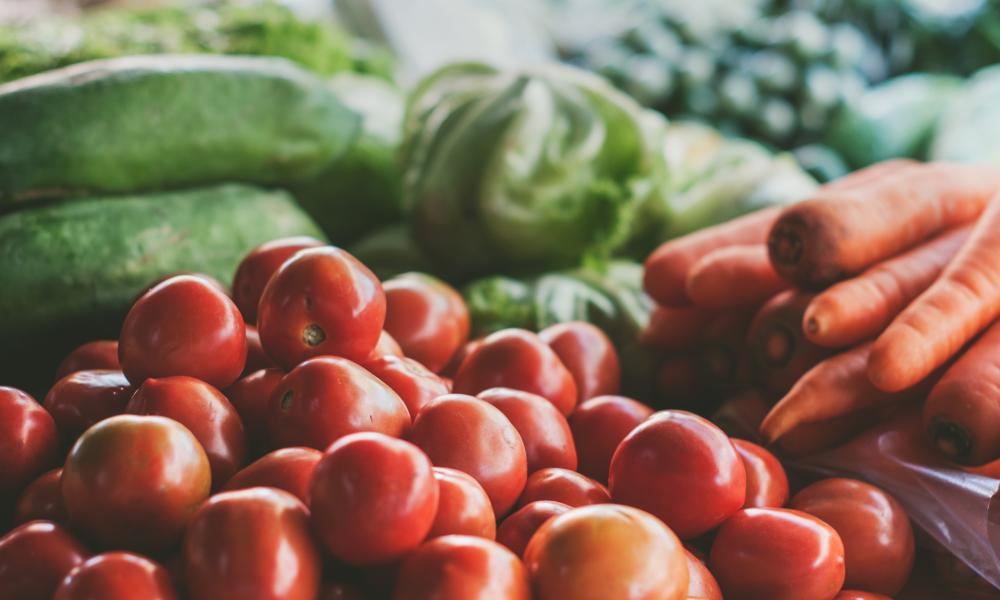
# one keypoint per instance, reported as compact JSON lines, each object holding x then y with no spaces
{"x":154,"y":122}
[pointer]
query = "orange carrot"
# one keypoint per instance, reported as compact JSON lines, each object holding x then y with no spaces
{"x":810,"y":438}
{"x":961,"y":303}
{"x":842,"y":231}
{"x":858,"y":309}
{"x":675,"y":329}
{"x":735,"y":276}
{"x":779,"y":349}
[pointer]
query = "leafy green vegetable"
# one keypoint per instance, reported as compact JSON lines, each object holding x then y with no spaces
{"x":969,"y":130}
{"x":390,"y":251}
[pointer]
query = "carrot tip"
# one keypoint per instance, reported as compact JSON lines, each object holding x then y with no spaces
{"x":785,"y":246}
{"x":812,"y":325}
{"x":951,"y":439}
{"x":777,"y":349}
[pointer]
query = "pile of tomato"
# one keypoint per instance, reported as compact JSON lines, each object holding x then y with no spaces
{"x":322,"y":434}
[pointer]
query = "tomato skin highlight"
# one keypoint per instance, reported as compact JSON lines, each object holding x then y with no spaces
{"x":34,"y":559}
{"x":42,"y":500}
{"x":516,"y":530}
{"x":257,"y":267}
{"x":117,"y":576}
{"x":701,"y":582}
{"x":427,"y":317}
{"x":83,"y":398}
{"x":548,"y":442}
{"x":459,"y":567}
{"x":767,"y":483}
{"x":463,"y":506}
{"x":563,"y":485}
{"x":99,"y":354}
{"x":29,"y":442}
{"x":598,"y":426}
{"x":588,"y":354}
{"x":288,"y":469}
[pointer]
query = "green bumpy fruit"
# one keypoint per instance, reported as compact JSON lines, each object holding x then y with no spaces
{"x":167,"y":121}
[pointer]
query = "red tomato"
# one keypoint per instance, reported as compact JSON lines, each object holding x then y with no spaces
{"x":205,"y":412}
{"x":99,"y":354}
{"x":767,"y":484}
{"x":460,"y":356}
{"x":374,"y":498}
{"x":288,"y":469}
{"x":588,"y":354}
{"x":681,"y":468}
{"x":462,"y":567}
{"x":386,"y":346}
{"x":606,"y":551}
{"x":518,"y":359}
{"x":563,"y":485}
{"x":29,"y":442}
{"x":427,"y":317}
{"x":470,"y":435}
{"x":42,"y":500}
{"x":598,"y":426}
{"x":208,"y":343}
{"x":257,"y":267}
{"x":322,"y":301}
{"x":83,"y":398}
{"x":251,"y":544}
{"x":858,"y":595}
{"x":701,"y":582}
{"x":34,"y":558}
{"x":257,"y":359}
{"x":414,"y":383}
{"x":547,"y":439}
{"x":516,"y":530}
{"x":212,"y":281}
{"x":777,"y":554}
{"x":463,"y":506}
{"x":117,"y":576}
{"x":250,"y":397}
{"x":877,"y":535}
{"x":133,"y":482}
{"x":326,"y":398}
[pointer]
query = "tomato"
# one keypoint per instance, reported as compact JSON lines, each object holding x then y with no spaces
{"x":257,"y":359}
{"x":778,"y":554}
{"x":741,"y":415}
{"x":212,"y":281}
{"x":605,"y":552}
{"x":681,"y":468}
{"x":209,"y":342}
{"x":42,"y":499}
{"x":518,"y":359}
{"x":563,"y":485}
{"x":588,"y":354}
{"x":29,"y":442}
{"x":251,"y":544}
{"x":99,"y":354}
{"x":374,"y":498}
{"x":288,"y":469}
{"x":463,"y":506}
{"x":460,"y":356}
{"x":858,"y":595}
{"x":322,"y":301}
{"x":767,"y":484}
{"x":133,"y":481}
{"x":427,"y":317}
{"x":701,"y":582}
{"x":547,"y":439}
{"x":117,"y":576}
{"x":257,"y":267}
{"x":34,"y":558}
{"x":386,"y":346}
{"x":205,"y":412}
{"x":83,"y":398}
{"x":250,"y":397}
{"x":598,"y":426}
{"x":414,"y":383}
{"x":877,"y":535}
{"x":326,"y":398}
{"x":516,"y":530}
{"x":462,"y":567}
{"x":473,"y":436}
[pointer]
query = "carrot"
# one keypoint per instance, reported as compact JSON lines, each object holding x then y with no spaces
{"x":842,"y":231}
{"x":722,"y":357}
{"x":810,"y":438}
{"x":777,"y":346}
{"x":961,"y":303}
{"x":675,"y":329}
{"x":740,"y":415}
{"x":732,"y":277}
{"x":667,"y":267}
{"x":677,"y":382}
{"x":860,"y":308}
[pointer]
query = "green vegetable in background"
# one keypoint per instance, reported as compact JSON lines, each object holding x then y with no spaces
{"x":969,"y":129}
{"x":390,"y":251}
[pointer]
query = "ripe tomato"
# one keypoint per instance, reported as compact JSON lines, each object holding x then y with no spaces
{"x":740,"y":416}
{"x":34,"y":558}
{"x":767,"y":484}
{"x":414,"y":383}
{"x":83,"y":398}
{"x":208,"y":343}
{"x":456,"y":361}
{"x":257,"y":267}
{"x":251,"y":544}
{"x":374,"y":498}
{"x":117,"y":576}
{"x":99,"y":354}
{"x":588,"y":354}
{"x":462,"y":567}
{"x":463,"y":506}
{"x":427,"y":317}
{"x":701,"y":582}
{"x":778,"y":554}
{"x":518,"y":359}
{"x":205,"y":412}
{"x":606,"y":551}
{"x":681,"y":468}
{"x":326,"y":398}
{"x":29,"y":443}
{"x":877,"y":535}
{"x":288,"y":469}
{"x":250,"y":397}
{"x":257,"y":359}
{"x":212,"y":281}
{"x":516,"y":530}
{"x":547,"y":439}
{"x":858,"y":595}
{"x":321,"y":301}
{"x":386,"y":346}
{"x":133,"y":482}
{"x":563,"y":485}
{"x":470,"y":435}
{"x":42,"y":499}
{"x":598,"y":426}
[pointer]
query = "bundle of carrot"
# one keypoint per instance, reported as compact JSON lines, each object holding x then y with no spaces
{"x":880,"y":290}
